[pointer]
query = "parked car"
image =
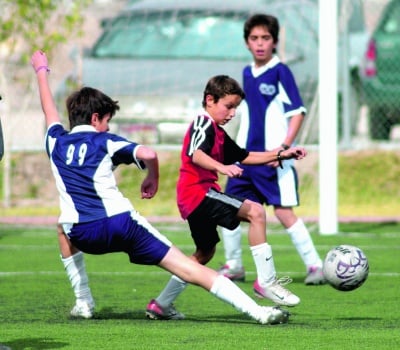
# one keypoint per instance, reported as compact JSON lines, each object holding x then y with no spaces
{"x":381,"y":73}
{"x":156,"y":56}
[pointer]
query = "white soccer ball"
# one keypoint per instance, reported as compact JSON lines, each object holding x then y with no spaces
{"x":346,"y":267}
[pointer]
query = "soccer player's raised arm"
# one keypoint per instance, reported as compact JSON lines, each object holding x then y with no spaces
{"x":40,"y":65}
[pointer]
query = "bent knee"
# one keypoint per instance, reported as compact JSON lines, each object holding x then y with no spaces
{"x":256,"y":212}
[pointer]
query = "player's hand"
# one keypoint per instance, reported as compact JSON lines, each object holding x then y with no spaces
{"x":231,"y":170}
{"x":294,"y":152}
{"x":39,"y":62}
{"x":149,"y":188}
{"x":274,"y":163}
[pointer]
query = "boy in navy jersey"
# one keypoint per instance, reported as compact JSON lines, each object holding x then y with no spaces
{"x":96,"y":216}
{"x":208,"y":150}
{"x":272,"y":116}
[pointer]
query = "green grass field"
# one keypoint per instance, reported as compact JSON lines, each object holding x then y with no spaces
{"x":35,"y":298}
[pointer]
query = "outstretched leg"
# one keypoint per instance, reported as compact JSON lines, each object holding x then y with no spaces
{"x":163,"y":307}
{"x":192,"y":272}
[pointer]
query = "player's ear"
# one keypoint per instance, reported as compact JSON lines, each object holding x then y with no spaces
{"x":209,"y":100}
{"x":95,"y":119}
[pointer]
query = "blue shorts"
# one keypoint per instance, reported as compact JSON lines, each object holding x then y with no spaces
{"x":267,"y":185}
{"x":216,"y":209}
{"x":127,"y":232}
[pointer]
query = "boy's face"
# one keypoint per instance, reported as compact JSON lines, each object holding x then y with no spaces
{"x":261,"y":45}
{"x":223,"y":110}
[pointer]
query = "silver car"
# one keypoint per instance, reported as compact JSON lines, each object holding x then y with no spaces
{"x":156,"y":56}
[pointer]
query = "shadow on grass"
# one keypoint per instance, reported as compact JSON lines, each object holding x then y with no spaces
{"x":360,"y":318}
{"x":32,"y":344}
{"x":109,"y":314}
{"x":300,"y":280}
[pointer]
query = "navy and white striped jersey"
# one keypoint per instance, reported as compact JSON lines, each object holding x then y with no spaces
{"x":272,"y":97}
{"x":82,"y":162}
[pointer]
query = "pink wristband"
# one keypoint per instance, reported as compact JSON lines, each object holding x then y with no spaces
{"x":42,"y":67}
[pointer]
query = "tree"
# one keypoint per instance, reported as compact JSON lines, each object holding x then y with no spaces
{"x":28,"y":25}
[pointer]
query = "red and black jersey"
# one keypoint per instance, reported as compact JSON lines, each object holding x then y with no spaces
{"x":195,"y":181}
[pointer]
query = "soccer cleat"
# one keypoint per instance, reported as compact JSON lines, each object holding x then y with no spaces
{"x":233,"y":275}
{"x":276,"y":292}
{"x":155,"y":312}
{"x":315,"y":276}
{"x":83,"y":309}
{"x":273,"y":315}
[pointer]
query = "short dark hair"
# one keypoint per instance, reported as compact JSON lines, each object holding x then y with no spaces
{"x":220,"y":86}
{"x":83,"y":103}
{"x":260,"y":19}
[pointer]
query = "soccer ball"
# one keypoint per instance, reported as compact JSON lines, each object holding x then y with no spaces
{"x":346,"y":267}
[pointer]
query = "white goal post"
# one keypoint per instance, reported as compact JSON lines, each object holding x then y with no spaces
{"x":328,"y":178}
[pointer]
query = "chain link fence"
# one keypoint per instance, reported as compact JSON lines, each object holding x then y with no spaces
{"x":368,"y":82}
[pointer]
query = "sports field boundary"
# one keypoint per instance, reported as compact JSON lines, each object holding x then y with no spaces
{"x":52,"y":220}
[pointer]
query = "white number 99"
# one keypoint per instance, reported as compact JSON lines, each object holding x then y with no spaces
{"x":81,"y":154}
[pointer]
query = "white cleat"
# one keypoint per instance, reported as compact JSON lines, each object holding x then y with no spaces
{"x":82,"y":309}
{"x":273,"y":315}
{"x":277,"y":293}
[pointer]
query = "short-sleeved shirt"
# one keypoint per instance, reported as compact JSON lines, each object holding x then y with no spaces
{"x":82,"y":162}
{"x":272,"y":97}
{"x":194,"y":181}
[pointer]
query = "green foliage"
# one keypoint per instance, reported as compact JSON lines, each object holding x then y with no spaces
{"x":39,"y":24}
{"x":36,"y":298}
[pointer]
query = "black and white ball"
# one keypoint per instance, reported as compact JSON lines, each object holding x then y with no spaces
{"x":346,"y":267}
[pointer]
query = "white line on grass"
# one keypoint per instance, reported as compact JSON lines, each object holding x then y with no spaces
{"x":160,"y":272}
{"x":190,"y":246}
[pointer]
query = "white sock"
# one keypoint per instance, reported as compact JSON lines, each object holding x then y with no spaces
{"x":227,"y":291}
{"x":174,"y":287}
{"x":76,"y":272}
{"x":233,"y":248}
{"x":264,"y":261}
{"x":301,"y":239}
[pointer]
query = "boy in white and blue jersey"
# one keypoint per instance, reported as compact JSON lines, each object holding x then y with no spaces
{"x":96,"y":216}
{"x":272,"y":117}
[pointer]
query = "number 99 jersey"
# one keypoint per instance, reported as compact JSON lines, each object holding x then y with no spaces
{"x":82,"y":162}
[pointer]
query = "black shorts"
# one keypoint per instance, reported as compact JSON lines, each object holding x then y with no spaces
{"x":216,"y":209}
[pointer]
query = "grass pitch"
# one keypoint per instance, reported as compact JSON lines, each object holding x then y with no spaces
{"x":36,"y":297}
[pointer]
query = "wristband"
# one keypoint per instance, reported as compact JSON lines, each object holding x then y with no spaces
{"x":279,"y":157}
{"x":285,"y":146}
{"x":38,"y":69}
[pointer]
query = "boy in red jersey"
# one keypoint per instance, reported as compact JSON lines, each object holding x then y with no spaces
{"x":208,"y":150}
